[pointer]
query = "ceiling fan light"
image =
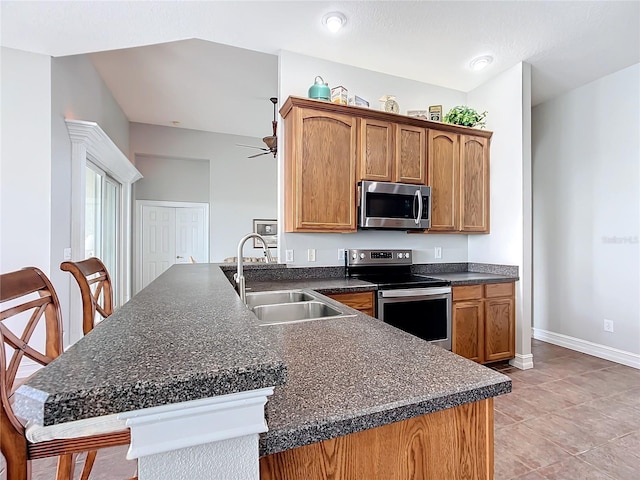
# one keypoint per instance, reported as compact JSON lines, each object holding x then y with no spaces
{"x":479,"y":63}
{"x":334,"y":21}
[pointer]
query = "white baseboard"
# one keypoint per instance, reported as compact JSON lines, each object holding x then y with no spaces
{"x":523,"y":362}
{"x":601,"y":351}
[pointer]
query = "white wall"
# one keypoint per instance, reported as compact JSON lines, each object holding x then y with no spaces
{"x":586,"y":191}
{"x":172,"y":179}
{"x":77,"y":92}
{"x":25,"y":169}
{"x":507,"y":99}
{"x":241,"y":188}
{"x":296,"y":74}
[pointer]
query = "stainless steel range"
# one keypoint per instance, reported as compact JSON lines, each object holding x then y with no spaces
{"x":417,"y":304}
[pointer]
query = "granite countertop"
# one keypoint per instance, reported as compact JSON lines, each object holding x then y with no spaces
{"x":473,"y":278}
{"x":184,"y":337}
{"x":188,"y":336}
{"x":323,"y":285}
{"x":350,"y":374}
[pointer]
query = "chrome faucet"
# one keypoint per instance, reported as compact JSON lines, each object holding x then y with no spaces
{"x":238,"y":276}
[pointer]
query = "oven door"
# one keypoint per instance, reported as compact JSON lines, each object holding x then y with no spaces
{"x":423,"y":312}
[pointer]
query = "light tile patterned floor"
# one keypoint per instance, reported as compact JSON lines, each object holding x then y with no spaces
{"x":572,"y":417}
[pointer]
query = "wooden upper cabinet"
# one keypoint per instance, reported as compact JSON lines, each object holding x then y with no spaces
{"x":474,"y":184}
{"x":459,"y":180}
{"x":410,"y":154}
{"x":375,"y":156}
{"x":320,"y":166}
{"x":443,"y":177}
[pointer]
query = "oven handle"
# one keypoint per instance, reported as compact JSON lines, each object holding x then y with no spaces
{"x":416,"y":292}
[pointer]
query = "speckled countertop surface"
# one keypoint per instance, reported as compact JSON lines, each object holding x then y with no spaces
{"x":184,"y":337}
{"x":472,"y":278}
{"x":189,"y":336}
{"x":350,"y":374}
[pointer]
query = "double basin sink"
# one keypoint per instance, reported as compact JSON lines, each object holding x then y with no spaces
{"x":290,"y":306}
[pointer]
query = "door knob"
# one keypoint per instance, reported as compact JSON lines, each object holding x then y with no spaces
{"x":179,"y":256}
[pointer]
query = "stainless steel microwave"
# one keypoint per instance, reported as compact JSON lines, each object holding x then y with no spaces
{"x":397,"y":206}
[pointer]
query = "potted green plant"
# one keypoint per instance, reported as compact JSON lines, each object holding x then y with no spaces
{"x":465,"y":116}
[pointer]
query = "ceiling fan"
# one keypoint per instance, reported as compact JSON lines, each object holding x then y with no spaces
{"x":272,"y":141}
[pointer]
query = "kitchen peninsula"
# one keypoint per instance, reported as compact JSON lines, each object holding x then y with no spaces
{"x":340,"y":384}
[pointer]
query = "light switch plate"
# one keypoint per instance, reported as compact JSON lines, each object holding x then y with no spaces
{"x":289,"y":256}
{"x":437,"y":252}
{"x":66,"y":254}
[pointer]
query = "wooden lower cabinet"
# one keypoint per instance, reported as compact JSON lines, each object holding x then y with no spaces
{"x":456,"y":443}
{"x":362,"y":301}
{"x":483,"y":322}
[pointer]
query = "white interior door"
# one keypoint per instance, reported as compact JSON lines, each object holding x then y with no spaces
{"x":158,"y":241}
{"x":191,"y":237}
{"x":169,"y":235}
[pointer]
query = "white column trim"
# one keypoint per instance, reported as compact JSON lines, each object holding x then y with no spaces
{"x":523,"y":362}
{"x":90,"y":142}
{"x":197,"y":422}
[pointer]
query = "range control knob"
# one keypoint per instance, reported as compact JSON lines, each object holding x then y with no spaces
{"x":406,"y":255}
{"x":354,"y":256}
{"x":399,"y":255}
{"x":362,"y":255}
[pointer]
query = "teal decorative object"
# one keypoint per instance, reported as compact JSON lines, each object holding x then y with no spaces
{"x":320,"y":90}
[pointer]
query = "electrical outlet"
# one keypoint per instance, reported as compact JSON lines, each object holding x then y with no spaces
{"x":289,"y":256}
{"x":341,"y":254}
{"x":608,"y":325}
{"x":311,"y":254}
{"x":437,"y":252}
{"x":66,"y":254}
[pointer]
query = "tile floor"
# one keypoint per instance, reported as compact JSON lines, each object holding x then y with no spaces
{"x":572,"y":417}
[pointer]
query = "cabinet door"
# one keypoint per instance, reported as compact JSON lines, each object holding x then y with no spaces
{"x":362,"y":301}
{"x":499,"y":329}
{"x":320,"y":172}
{"x":467,"y":330}
{"x":474,"y":184}
{"x":443,"y":177}
{"x":375,"y":154}
{"x":410,"y":154}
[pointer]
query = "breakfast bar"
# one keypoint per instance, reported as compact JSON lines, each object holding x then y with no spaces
{"x":188,"y":342}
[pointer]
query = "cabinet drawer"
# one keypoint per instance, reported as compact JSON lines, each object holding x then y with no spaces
{"x":499,"y":290}
{"x":467,"y":292}
{"x":362,"y":301}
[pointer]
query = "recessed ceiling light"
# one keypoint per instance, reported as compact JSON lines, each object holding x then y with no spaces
{"x":479,"y":63}
{"x":334,"y":21}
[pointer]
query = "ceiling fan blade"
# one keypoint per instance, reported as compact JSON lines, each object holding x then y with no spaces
{"x":258,"y":154}
{"x":251,"y":146}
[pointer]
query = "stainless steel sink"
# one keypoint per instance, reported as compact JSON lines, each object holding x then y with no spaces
{"x":294,"y":312}
{"x":255,"y":299}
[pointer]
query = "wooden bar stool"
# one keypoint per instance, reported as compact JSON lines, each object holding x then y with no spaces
{"x":28,"y":293}
{"x":95,"y":287}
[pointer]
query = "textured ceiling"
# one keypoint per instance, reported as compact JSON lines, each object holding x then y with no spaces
{"x":567,"y":43}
